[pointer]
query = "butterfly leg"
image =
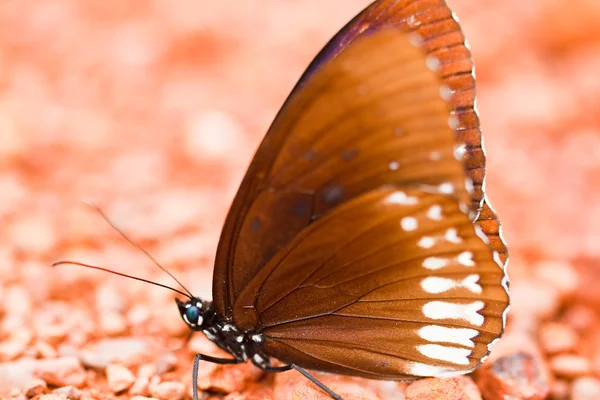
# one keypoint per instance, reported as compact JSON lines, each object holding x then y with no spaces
{"x":215,"y":360}
{"x":308,"y":376}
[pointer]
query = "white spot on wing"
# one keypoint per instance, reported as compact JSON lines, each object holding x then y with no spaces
{"x":393,"y":165}
{"x":453,"y":123}
{"x":420,"y":369}
{"x":446,"y":188}
{"x":400,"y":197}
{"x":432,"y":63}
{"x":415,"y":39}
{"x":435,"y":156}
{"x":466,"y":258}
{"x":453,"y":355}
{"x":446,"y":310}
{"x":459,"y":152}
{"x":443,"y":334}
{"x":435,"y":263}
{"x":479,"y":232}
{"x":436,"y":285}
{"x":452,"y":236}
{"x":435,"y":213}
{"x":409,"y":223}
{"x":426,"y":242}
{"x":445,"y":92}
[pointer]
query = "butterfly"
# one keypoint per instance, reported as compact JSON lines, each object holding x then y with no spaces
{"x":361,"y":241}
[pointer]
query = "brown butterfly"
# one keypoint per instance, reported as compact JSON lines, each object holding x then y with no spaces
{"x":360,"y":241}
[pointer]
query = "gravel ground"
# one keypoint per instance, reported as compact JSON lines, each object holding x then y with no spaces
{"x":152,"y":110}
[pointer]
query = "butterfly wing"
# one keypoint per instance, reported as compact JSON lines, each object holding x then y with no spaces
{"x":393,"y":284}
{"x":372,"y":116}
{"x":442,"y":38}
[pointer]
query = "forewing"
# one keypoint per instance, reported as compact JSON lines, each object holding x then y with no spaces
{"x":375,"y":115}
{"x":393,"y":284}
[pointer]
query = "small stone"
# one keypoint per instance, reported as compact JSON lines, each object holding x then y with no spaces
{"x":137,"y":315}
{"x":35,"y":387}
{"x":109,"y":298}
{"x":167,"y":362}
{"x":581,"y":318}
{"x":119,"y":377}
{"x":515,"y":368}
{"x":223,"y":379}
{"x":533,"y":300}
{"x":147,"y":370}
{"x":17,"y":300}
{"x":112,"y":323}
{"x":560,"y":275}
{"x":557,"y":338}
{"x":65,"y":371}
{"x":143,"y":398}
{"x":570,"y":365}
{"x":16,"y":344}
{"x":140,"y":386}
{"x":53,"y":396}
{"x":461,"y":387}
{"x":33,"y":234}
{"x":125,"y":351}
{"x":169,"y":390}
{"x":42,"y":349}
{"x":70,"y":391}
{"x":585,"y":389}
{"x":559,"y":390}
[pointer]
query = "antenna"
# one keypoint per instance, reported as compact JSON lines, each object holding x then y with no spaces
{"x":121,"y":274}
{"x":137,"y":246}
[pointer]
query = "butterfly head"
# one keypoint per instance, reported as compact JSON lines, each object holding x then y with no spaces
{"x":193,"y":312}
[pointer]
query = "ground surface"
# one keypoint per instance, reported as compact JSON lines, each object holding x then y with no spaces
{"x":152,"y":110}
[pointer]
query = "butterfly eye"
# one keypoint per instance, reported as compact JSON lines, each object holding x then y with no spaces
{"x":193,"y":315}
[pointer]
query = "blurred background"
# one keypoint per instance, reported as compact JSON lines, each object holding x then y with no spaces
{"x":153,"y":109}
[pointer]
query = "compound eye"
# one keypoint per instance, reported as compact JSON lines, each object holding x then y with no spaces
{"x":192,"y":314}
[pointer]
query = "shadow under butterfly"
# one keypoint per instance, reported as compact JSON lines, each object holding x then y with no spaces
{"x":360,"y":241}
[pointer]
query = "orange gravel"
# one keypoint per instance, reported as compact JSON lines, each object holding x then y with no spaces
{"x":153,"y":109}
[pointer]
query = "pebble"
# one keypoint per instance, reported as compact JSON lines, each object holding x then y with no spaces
{"x":143,"y":398}
{"x":223,"y":379}
{"x":558,"y":274}
{"x":461,"y":387}
{"x":147,"y":370}
{"x":122,"y":350}
{"x":44,"y":349}
{"x":53,"y":396}
{"x":140,"y":386}
{"x":35,"y":387}
{"x":70,"y":391}
{"x":65,"y":371}
{"x":109,"y":298}
{"x":515,"y":368}
{"x":168,"y":390}
{"x":120,"y":378}
{"x":557,"y":338}
{"x":532,"y":299}
{"x":560,"y":390}
{"x":16,"y":344}
{"x":166,"y":362}
{"x":17,"y":300}
{"x":33,"y":234}
{"x":570,"y":365}
{"x":581,"y":318}
{"x":112,"y":323}
{"x":585,"y":389}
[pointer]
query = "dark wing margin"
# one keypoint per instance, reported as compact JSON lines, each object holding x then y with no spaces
{"x":393,"y":284}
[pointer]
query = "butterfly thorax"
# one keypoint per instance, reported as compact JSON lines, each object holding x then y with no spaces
{"x":242,"y":346}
